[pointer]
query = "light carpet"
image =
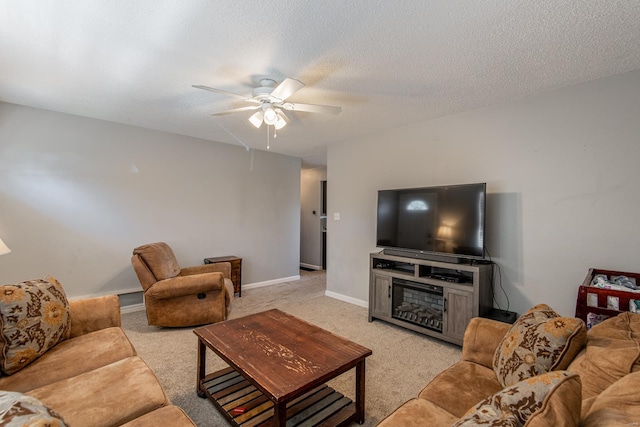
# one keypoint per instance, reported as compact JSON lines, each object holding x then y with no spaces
{"x":402,"y":363}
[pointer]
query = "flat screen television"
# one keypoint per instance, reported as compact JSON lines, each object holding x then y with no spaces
{"x":445,"y":220}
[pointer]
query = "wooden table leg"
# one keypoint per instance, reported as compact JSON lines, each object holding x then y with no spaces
{"x":202,"y":362}
{"x":360,"y":367}
{"x":280,"y":415}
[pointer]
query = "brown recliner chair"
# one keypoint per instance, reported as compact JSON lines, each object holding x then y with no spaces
{"x":177,"y":296}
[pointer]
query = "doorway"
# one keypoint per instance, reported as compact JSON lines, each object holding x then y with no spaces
{"x":323,"y":222}
{"x":313,"y":219}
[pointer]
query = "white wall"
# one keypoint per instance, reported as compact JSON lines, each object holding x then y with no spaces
{"x":562,"y":172}
{"x":310,"y":222}
{"x":78,"y":194}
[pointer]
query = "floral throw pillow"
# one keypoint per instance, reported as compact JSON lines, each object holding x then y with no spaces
{"x":539,"y":341}
{"x":18,"y":410}
{"x":551,"y":399}
{"x":34,"y":317}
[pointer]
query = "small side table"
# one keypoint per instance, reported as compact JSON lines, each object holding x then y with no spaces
{"x":236,"y":270}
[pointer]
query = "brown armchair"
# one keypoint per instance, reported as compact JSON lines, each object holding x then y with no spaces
{"x":177,"y":296}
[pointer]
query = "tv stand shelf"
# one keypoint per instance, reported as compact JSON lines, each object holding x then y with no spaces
{"x":432,"y":297}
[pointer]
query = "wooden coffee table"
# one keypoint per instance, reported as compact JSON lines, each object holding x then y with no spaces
{"x":278,"y":367}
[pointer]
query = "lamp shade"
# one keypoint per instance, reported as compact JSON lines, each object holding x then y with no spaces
{"x":444,"y":232}
{"x":3,"y":248}
{"x":280,"y":123}
{"x":256,"y":119}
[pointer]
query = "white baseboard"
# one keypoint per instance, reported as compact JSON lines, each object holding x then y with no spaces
{"x":310,"y":266}
{"x":270,"y":282}
{"x":345,"y":298}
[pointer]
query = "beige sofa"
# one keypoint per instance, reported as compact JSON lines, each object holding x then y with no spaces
{"x":94,"y":377}
{"x":600,"y":385}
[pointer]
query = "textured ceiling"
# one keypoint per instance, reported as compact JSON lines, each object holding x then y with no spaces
{"x":387,"y":63}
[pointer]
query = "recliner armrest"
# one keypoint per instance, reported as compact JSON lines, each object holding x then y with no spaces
{"x":481,"y":339}
{"x":92,"y":314}
{"x":180,"y":286}
{"x":222,"y":267}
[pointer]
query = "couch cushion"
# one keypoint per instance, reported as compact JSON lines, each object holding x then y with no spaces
{"x":613,"y":350}
{"x":539,"y":341}
{"x":418,"y":413}
{"x":34,"y":317}
{"x":160,"y":259}
{"x":19,"y":410}
{"x":551,"y":399}
{"x":108,"y":396}
{"x":72,"y":357}
{"x":618,"y":405}
{"x":460,"y":387}
{"x":166,"y":416}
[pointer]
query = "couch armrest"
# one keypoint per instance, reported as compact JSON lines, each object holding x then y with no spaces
{"x":92,"y":314}
{"x":222,"y":267}
{"x":481,"y":338}
{"x":180,"y":286}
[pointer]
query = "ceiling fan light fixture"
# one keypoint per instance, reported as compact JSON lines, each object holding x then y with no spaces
{"x":256,"y":119}
{"x":270,"y":116}
{"x":269,"y":99}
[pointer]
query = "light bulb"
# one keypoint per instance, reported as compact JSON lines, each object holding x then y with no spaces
{"x":270,"y":116}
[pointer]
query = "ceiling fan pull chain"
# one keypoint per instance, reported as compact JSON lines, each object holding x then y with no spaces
{"x":267,"y":137}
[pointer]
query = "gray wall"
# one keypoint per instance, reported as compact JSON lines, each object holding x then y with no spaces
{"x":562,"y":176}
{"x":78,"y":194}
{"x":310,"y":223}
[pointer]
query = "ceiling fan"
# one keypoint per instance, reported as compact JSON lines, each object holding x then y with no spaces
{"x":270,"y":101}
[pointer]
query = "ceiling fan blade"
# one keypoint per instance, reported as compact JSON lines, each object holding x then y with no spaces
{"x":235,"y":110}
{"x":311,"y":108}
{"x":286,"y":88}
{"x":224,"y":92}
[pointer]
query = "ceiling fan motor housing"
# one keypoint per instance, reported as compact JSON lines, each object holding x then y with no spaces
{"x":265,"y":89}
{"x":268,"y":83}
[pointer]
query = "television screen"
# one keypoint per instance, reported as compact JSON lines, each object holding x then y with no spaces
{"x":442,"y":220}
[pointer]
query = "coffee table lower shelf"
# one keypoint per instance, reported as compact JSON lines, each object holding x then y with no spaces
{"x":244,"y":405}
